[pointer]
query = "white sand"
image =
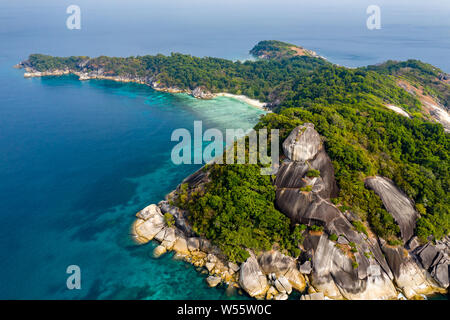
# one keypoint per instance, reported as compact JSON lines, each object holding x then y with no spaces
{"x":252,"y":102}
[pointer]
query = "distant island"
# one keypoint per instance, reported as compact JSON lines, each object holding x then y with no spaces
{"x":273,"y":49}
{"x":364,"y":214}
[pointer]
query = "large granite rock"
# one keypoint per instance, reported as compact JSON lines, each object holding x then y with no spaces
{"x":396,"y":203}
{"x":193,"y":244}
{"x":148,"y":212}
{"x":169,"y":237}
{"x":436,"y":260}
{"x":159,"y":251}
{"x":281,"y":296}
{"x":202,"y":93}
{"x":306,"y":207}
{"x":306,"y":267}
{"x":274,"y":262}
{"x":283,"y":285}
{"x":335,"y":275}
{"x":146,"y":230}
{"x":252,"y":279}
{"x":303,"y":198}
{"x":409,"y":277}
{"x":335,"y":270}
{"x":180,"y":246}
{"x":303,"y":143}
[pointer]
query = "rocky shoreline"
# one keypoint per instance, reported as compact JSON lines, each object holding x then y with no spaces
{"x":352,"y":265}
{"x":198,"y":92}
{"x":268,"y":276}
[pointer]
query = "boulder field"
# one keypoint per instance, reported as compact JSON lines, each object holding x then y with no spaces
{"x":350,"y":265}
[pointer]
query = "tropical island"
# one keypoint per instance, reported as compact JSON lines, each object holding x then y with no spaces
{"x":364,"y":215}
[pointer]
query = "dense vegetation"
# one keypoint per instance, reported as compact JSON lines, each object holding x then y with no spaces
{"x":255,"y":79}
{"x":361,"y":136}
{"x":42,"y":62}
{"x":237,"y":212}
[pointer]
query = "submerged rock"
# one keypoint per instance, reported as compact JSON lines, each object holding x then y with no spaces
{"x":213,"y":281}
{"x":159,"y":251}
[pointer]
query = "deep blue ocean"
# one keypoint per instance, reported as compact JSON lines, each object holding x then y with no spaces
{"x":79,"y":159}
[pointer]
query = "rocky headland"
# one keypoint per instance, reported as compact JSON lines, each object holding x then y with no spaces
{"x":336,"y":261}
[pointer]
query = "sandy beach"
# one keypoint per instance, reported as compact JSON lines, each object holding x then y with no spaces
{"x":252,"y":102}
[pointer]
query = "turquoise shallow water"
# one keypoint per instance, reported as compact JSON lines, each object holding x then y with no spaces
{"x":79,"y":159}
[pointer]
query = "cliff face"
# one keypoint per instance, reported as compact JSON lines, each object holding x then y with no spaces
{"x":355,"y":266}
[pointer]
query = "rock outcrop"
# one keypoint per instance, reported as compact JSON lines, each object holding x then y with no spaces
{"x":146,"y":229}
{"x":354,"y":266}
{"x":339,"y":275}
{"x":302,"y":144}
{"x":278,"y":265}
{"x":396,"y":203}
{"x":202,"y":93}
{"x":252,"y":279}
{"x":159,"y":251}
{"x":299,"y":194}
{"x":410,"y":278}
{"x":436,"y":260}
